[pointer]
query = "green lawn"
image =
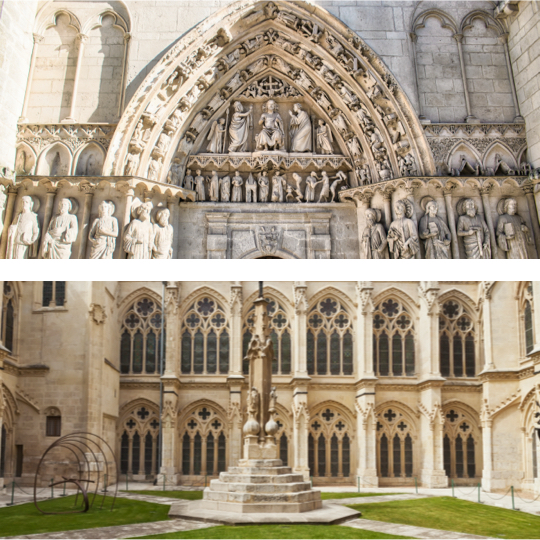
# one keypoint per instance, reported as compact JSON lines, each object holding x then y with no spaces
{"x":325,"y":496}
{"x":187,"y":495}
{"x":451,"y":514}
{"x":26,"y":519}
{"x":276,"y":531}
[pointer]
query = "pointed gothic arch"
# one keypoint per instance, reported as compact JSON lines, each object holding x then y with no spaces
{"x":189,"y":79}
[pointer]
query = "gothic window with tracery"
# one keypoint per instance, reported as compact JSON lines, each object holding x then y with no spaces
{"x":457,"y":341}
{"x":535,"y":443}
{"x":393,"y":340}
{"x":7,"y":327}
{"x":394,"y":444}
{"x":205,"y":339}
{"x":282,"y":440}
{"x":527,"y":317}
{"x":329,"y":339}
{"x":459,"y":445}
{"x":54,"y":293}
{"x":140,"y":342}
{"x":280,"y":334}
{"x":139,"y":442}
{"x":329,"y":444}
{"x":204,"y":443}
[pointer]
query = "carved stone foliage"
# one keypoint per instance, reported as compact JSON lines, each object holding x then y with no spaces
{"x":286,"y":54}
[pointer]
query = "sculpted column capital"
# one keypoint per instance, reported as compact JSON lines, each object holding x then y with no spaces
{"x":127,"y":37}
{"x":448,"y":190}
{"x":528,"y":188}
{"x":37,"y":38}
{"x":387,"y":194}
{"x":13,"y":190}
{"x":87,"y":189}
{"x":485,"y":190}
{"x":503,"y":38}
{"x":458,"y":37}
{"x":83,"y":38}
{"x":413,"y":36}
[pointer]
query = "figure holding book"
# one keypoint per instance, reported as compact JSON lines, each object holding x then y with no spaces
{"x":513,"y":235}
{"x":435,"y":233}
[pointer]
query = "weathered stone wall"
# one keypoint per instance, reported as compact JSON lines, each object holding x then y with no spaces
{"x":16,"y":22}
{"x":524,"y":44}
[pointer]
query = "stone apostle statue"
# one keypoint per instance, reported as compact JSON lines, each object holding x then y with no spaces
{"x":216,"y":137}
{"x":513,"y":235}
{"x":402,"y":235}
{"x":213,"y":192}
{"x":62,"y":232}
{"x":163,"y":236}
{"x":300,"y":129}
{"x":239,"y":128}
{"x":225,"y":188}
{"x":278,"y":182}
{"x":139,"y":235}
{"x":24,"y":232}
{"x":251,"y":189}
{"x":237,"y":183}
{"x":435,"y":233}
{"x":474,"y":231}
{"x":264,"y":186}
{"x":374,"y":242}
{"x":199,"y":186}
{"x":273,"y":133}
{"x":188,"y":180}
{"x":104,"y":232}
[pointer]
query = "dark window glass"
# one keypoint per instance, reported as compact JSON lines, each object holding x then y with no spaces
{"x":470,"y":357}
{"x":210,"y":454}
{"x":384,"y":456}
{"x":408,"y":456}
{"x":535,"y":454}
{"x":125,"y":352}
{"x":397,"y":356}
{"x":186,"y":352}
{"x":459,"y":457}
{"x":135,"y":454}
{"x":197,"y":449}
{"x":384,"y":358}
{"x":310,"y":353}
{"x":222,"y":453}
{"x":409,"y":354}
{"x":275,"y":346}
{"x":321,"y":455}
{"x":397,"y":456}
{"x":10,"y":325}
{"x":19,"y":460}
{"x":285,"y":353}
{"x":346,"y":455}
{"x":198,"y":363}
{"x":321,"y":354}
{"x":471,"y":462}
{"x":54,"y":426}
{"x":311,"y":454}
{"x":529,"y":333}
{"x":158,"y":453}
{"x":458,"y":357}
{"x":375,"y":370}
{"x":283,"y":450}
{"x":335,"y":354}
{"x":3,"y":452}
{"x":445,"y":355}
{"x":447,"y":455}
{"x":60,"y":296}
{"x":334,"y":456}
{"x":211,"y":352}
{"x":224,"y":352}
{"x":185,"y":454}
{"x":151,"y":352}
{"x":124,"y":454}
{"x":148,"y":442}
{"x":47,"y":293}
{"x":137,"y":352}
{"x":246,"y":342}
{"x":347,"y":354}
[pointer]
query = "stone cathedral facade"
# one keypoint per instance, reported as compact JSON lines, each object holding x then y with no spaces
{"x":379,"y":381}
{"x":270,"y":129}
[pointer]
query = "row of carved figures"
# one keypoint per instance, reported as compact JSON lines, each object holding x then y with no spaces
{"x":260,"y":189}
{"x":403,"y":238}
{"x":143,"y":239}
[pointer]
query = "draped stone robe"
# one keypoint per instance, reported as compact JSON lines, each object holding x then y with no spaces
{"x":474,"y":243}
{"x":22,"y":236}
{"x":435,"y":245}
{"x":103,"y":236}
{"x":511,"y":238}
{"x":139,"y":239}
{"x":403,"y":238}
{"x":374,"y":242}
{"x":301,"y":132}
{"x":63,"y":230}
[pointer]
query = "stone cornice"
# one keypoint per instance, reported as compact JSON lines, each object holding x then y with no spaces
{"x":468,"y":130}
{"x":506,"y":375}
{"x":34,"y":370}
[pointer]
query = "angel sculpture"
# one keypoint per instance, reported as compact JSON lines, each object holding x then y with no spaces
{"x":216,"y":137}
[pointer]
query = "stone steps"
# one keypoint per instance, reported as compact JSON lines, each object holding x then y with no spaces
{"x":260,"y":470}
{"x":258,"y":508}
{"x":267,"y":498}
{"x":239,"y":487}
{"x":260,"y":478}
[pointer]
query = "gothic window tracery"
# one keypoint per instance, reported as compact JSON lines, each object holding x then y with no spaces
{"x":393,"y":340}
{"x":395,"y":444}
{"x":139,"y":442}
{"x":280,"y":334}
{"x":7,"y":327}
{"x":204,"y":443}
{"x":459,"y":445}
{"x":140,"y":342}
{"x":329,"y":339}
{"x":457,"y":340}
{"x":205,"y":339}
{"x":329,"y":444}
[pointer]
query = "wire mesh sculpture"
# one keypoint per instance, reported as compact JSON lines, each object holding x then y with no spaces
{"x":90,"y":452}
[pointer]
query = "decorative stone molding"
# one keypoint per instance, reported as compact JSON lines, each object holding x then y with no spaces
{"x":429,"y":292}
{"x":98,"y":313}
{"x":26,"y":398}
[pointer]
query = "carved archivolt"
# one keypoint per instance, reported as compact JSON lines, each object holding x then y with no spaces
{"x":341,"y":80}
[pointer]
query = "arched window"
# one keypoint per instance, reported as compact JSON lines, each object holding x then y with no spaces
{"x":204,"y":448}
{"x":205,"y":339}
{"x":329,"y":444}
{"x":329,"y":339}
{"x":54,"y":293}
{"x":393,"y":340}
{"x":140,"y":341}
{"x":7,"y":327}
{"x":139,"y":442}
{"x":394,"y":444}
{"x":527,"y":308}
{"x":459,"y":445}
{"x":282,"y":439}
{"x":280,"y":333}
{"x":457,"y":341}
